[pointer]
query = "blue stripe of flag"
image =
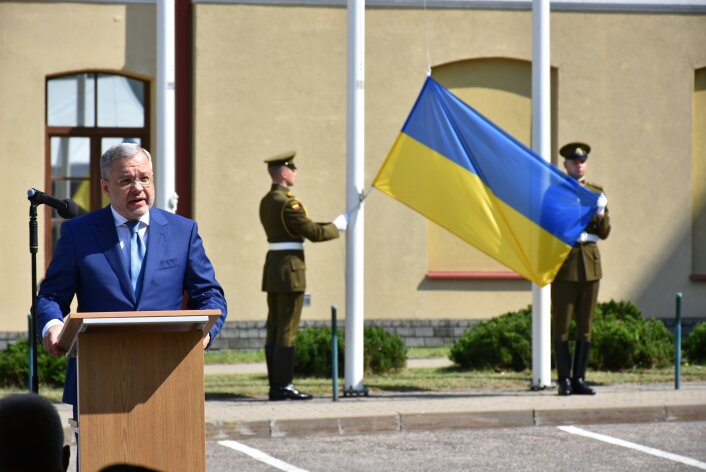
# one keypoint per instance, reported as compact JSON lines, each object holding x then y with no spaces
{"x":514,"y":173}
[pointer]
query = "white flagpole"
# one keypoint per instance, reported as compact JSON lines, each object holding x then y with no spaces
{"x":541,"y":144}
{"x":165,"y":174}
{"x":355,"y":170}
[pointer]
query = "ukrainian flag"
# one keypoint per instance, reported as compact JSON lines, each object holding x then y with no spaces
{"x":458,"y":169}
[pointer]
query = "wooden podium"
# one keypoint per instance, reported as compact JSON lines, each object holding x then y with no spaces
{"x":140,"y":387}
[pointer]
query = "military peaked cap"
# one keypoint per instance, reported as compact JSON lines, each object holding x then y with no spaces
{"x":283,"y":159}
{"x":577,"y":151}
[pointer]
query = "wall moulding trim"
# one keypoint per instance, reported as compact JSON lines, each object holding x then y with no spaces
{"x":114,"y":2}
{"x":473,"y":275}
{"x":633,"y":6}
{"x":624,"y":6}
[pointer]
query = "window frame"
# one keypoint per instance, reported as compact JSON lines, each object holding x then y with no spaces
{"x":95,"y":134}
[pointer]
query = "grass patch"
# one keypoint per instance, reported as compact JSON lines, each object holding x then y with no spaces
{"x":405,"y":380}
{"x":427,"y":352}
{"x":234,"y":356}
{"x":54,"y":394}
{"x":440,"y":380}
{"x":416,"y":380}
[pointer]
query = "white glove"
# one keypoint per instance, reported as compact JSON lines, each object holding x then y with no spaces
{"x":341,"y":222}
{"x":601,"y":203}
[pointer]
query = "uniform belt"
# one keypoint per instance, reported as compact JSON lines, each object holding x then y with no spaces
{"x":587,"y":238}
{"x":288,"y":246}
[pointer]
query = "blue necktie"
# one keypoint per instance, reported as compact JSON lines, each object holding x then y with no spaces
{"x":137,"y":253}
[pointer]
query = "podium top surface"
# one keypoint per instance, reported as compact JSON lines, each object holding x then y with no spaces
{"x":135,"y":321}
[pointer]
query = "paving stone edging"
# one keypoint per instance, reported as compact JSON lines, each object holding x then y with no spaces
{"x":399,"y":422}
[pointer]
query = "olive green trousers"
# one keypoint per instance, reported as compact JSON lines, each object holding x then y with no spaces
{"x":283,"y":316}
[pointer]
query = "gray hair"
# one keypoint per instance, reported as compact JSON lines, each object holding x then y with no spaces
{"x":120,"y":151}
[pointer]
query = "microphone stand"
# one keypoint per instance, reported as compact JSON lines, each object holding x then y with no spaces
{"x":33,"y":246}
{"x":67,"y":209}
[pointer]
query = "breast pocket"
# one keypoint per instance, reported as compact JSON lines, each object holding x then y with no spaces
{"x":168,"y":263}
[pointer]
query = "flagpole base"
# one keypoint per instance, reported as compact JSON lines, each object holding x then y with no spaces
{"x":538,"y":387}
{"x":361,"y":391}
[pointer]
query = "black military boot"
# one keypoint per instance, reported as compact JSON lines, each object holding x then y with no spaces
{"x":578,"y":384}
{"x":269,"y":350}
{"x":563,"y":365}
{"x":282,"y":387}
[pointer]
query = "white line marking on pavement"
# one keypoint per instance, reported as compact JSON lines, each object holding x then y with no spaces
{"x":637,"y":447}
{"x":261,"y":456}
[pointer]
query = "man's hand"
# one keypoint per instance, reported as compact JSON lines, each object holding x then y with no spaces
{"x":50,"y":341}
{"x":206,"y":340}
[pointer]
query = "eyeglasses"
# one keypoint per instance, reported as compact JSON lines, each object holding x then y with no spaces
{"x":124,"y":184}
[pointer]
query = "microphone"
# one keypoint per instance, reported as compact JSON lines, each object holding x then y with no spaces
{"x":66,"y":208}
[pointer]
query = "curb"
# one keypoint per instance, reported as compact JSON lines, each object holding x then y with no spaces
{"x":395,"y":423}
{"x":398,"y":422}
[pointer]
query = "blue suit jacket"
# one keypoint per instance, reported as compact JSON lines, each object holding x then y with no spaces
{"x":88,"y":263}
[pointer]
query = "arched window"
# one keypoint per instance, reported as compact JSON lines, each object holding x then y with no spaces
{"x":87,"y":112}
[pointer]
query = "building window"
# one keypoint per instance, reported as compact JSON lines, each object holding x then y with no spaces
{"x":87,"y":113}
{"x":501,"y":90}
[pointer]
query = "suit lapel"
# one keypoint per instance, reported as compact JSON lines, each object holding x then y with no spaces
{"x":107,"y":237}
{"x":156,"y":245}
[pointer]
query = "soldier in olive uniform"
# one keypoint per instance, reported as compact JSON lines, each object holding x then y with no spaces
{"x":575,"y":288}
{"x":284,"y":276}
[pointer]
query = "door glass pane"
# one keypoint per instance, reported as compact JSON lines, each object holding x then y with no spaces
{"x":107,"y":142}
{"x":70,"y":170}
{"x":70,"y":100}
{"x":121,"y":102}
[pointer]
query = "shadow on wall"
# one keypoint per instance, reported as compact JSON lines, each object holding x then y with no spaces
{"x":655,"y":293}
{"x":469,"y":285}
{"x":685,"y":255}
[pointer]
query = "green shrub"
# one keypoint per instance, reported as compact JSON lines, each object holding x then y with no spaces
{"x":622,"y":339}
{"x":312,"y":352}
{"x":501,"y":343}
{"x":695,"y":344}
{"x":614,"y":343}
{"x":382,"y":352}
{"x":621,"y":310}
{"x":655,"y":347}
{"x":14,"y":366}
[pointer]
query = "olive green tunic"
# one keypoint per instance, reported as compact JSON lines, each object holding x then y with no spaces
{"x":284,"y":219}
{"x":575,"y":287}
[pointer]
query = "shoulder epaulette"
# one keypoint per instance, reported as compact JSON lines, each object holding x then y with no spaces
{"x":591,"y":184}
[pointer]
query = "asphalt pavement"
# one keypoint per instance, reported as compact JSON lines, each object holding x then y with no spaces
{"x":242,"y":418}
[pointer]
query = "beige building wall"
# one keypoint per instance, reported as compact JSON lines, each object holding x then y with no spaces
{"x":272,"y":78}
{"x":38,"y":39}
{"x":269,"y":79}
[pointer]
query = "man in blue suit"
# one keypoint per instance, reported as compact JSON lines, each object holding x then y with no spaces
{"x":92,"y":259}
